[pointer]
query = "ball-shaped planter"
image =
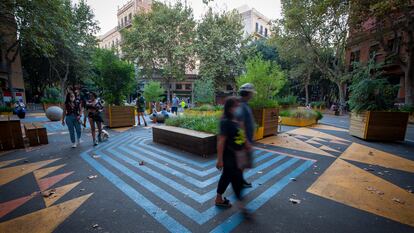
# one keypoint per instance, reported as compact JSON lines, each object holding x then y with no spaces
{"x":54,"y":113}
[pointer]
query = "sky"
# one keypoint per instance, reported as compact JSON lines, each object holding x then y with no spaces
{"x":105,"y":10}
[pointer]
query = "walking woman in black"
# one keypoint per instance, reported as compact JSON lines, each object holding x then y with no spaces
{"x":94,"y":108}
{"x":230,"y":145}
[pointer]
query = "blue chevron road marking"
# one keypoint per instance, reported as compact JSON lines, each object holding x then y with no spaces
{"x":255,"y":204}
{"x":167,"y":221}
{"x":121,"y":142}
{"x":177,"y":157}
{"x":200,"y":198}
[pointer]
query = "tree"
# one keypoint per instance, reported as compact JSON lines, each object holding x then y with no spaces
{"x":114,"y":77}
{"x":393,"y":21}
{"x":220,"y":47}
{"x":321,"y":28}
{"x":153,"y":91}
{"x":204,"y":91}
{"x":266,"y":76}
{"x":161,"y":42}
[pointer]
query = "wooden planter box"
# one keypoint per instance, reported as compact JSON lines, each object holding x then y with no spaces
{"x":185,"y":139}
{"x":268,"y":118}
{"x":381,"y":126}
{"x":11,"y":136}
{"x":119,"y":116}
{"x":46,"y":106}
{"x":299,"y":122}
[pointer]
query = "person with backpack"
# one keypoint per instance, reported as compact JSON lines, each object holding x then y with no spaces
{"x":141,"y":109}
{"x":230,"y":148}
{"x":94,"y":107}
{"x":175,"y":103}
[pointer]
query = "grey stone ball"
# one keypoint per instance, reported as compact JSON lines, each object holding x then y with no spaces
{"x":54,"y":113}
{"x":160,"y":118}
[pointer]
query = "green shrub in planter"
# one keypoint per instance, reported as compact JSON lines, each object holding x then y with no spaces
{"x":301,"y":113}
{"x":208,"y":107}
{"x":6,"y":109}
{"x":318,"y":104}
{"x":207,"y":124}
{"x":289,"y":100}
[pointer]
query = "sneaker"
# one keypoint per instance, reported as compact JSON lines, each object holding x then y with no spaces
{"x":95,"y":143}
{"x":74,"y":145}
{"x":247,"y":184}
{"x":78,"y":142}
{"x":99,"y":138}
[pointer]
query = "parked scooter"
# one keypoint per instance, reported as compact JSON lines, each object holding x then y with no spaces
{"x":20,"y":109}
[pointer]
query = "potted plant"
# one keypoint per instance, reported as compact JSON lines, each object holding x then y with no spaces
{"x":6,"y":111}
{"x":374,"y":116}
{"x":300,"y":117}
{"x":268,"y":80}
{"x":51,"y":98}
{"x":115,"y":78}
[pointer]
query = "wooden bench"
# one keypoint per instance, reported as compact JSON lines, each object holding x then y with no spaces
{"x":184,"y":139}
{"x":36,"y":133}
{"x":10,"y":134}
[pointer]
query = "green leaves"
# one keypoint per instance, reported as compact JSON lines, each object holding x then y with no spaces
{"x":162,"y":41}
{"x":204,"y":91}
{"x":220,"y":47}
{"x":266,"y":76}
{"x":153,"y":91}
{"x":113,"y":76}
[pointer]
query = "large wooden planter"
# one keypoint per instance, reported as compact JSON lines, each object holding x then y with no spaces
{"x":185,"y":139}
{"x":380,"y":126}
{"x":10,"y":134}
{"x":299,"y":122}
{"x":268,"y":119}
{"x":46,"y":106}
{"x":119,"y":116}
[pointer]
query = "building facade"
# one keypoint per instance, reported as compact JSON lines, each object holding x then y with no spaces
{"x":363,"y":45}
{"x":10,"y":62}
{"x":255,"y":23}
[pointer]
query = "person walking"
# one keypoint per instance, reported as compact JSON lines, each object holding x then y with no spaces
{"x":141,"y":109}
{"x":95,"y":108}
{"x":175,"y":103}
{"x":182,"y":105}
{"x":72,"y":117}
{"x":245,"y":115}
{"x":231,"y":142}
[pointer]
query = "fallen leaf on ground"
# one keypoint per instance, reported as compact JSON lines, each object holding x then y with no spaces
{"x":92,"y":177}
{"x":293,"y":179}
{"x":141,"y":163}
{"x":49,"y":193}
{"x":95,"y":226}
{"x":398,"y":200}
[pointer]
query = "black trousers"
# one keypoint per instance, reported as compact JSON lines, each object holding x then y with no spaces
{"x":233,"y":175}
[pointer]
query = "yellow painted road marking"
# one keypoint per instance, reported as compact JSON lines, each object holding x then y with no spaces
{"x":314,"y":133}
{"x":45,"y":220}
{"x":11,"y":173}
{"x":39,"y":174}
{"x":347,"y":184}
{"x":328,"y":127}
{"x":364,"y":154}
{"x":58,"y":193}
{"x":329,"y":149}
{"x":8,"y":162}
{"x":286,"y":141}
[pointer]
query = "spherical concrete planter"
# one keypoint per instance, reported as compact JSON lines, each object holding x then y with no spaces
{"x":54,"y":113}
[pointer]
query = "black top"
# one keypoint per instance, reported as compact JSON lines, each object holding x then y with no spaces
{"x":73,"y":108}
{"x":235,"y":140}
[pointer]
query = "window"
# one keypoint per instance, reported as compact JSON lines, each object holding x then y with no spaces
{"x":355,"y":55}
{"x":125,"y":19}
{"x":266,"y":32}
{"x":130,"y":17}
{"x":257,"y":27}
{"x":373,"y":51}
{"x":261,"y":30}
{"x":394,"y":45}
{"x":188,"y":86}
{"x":178,"y":86}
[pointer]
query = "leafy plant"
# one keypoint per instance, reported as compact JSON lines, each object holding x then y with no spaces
{"x":113,"y":76}
{"x":407,"y":108}
{"x":267,"y":77}
{"x":153,"y":91}
{"x":208,"y":107}
{"x":289,"y":100}
{"x":52,"y":96}
{"x":204,"y":91}
{"x":318,"y":104}
{"x":270,"y":103}
{"x":301,"y":113}
{"x":370,"y":91}
{"x":208,"y":124}
{"x":6,"y":109}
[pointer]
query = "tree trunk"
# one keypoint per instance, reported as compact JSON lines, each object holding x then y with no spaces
{"x":408,"y":79}
{"x":168,"y":91}
{"x":307,"y":88}
{"x":9,"y":79}
{"x":341,"y":88}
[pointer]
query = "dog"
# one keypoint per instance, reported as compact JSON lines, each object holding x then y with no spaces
{"x":104,"y":135}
